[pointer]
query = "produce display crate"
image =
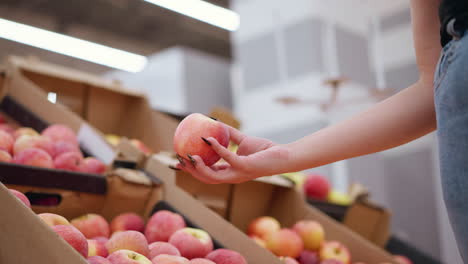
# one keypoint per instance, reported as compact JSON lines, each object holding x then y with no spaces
{"x":26,"y":105}
{"x":23,"y":234}
{"x":242,"y":203}
{"x":104,"y":104}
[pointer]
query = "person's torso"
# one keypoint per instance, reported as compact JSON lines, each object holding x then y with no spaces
{"x":450,"y":9}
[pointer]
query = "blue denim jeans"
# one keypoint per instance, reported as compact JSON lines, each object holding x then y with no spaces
{"x":451,"y":103}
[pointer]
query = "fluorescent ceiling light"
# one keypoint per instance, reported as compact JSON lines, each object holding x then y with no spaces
{"x":204,"y":11}
{"x":72,"y":47}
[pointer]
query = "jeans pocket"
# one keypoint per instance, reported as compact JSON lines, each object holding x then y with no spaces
{"x":443,"y":64}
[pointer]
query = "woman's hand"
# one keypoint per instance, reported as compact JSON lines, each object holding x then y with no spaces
{"x":255,"y":157}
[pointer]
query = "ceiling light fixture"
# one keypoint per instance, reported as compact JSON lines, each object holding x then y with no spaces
{"x":72,"y":47}
{"x":203,"y":11}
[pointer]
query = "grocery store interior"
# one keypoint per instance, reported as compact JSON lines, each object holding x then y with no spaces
{"x":122,"y":74}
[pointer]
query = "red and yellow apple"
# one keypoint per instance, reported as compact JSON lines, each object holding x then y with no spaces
{"x":159,"y":248}
{"x":336,"y":251}
{"x":5,"y":156}
{"x":311,"y":232}
{"x":92,"y":225}
{"x":189,"y":134}
{"x":130,"y":240}
{"x":226,"y":256}
{"x":263,"y":226}
{"x":162,"y":225}
{"x":98,"y":260}
{"x":308,"y":257}
{"x":27,"y":142}
{"x":59,"y":132}
{"x":169,"y":259}
{"x":53,"y":219}
{"x":24,"y":131}
{"x":201,"y":261}
{"x":68,"y":161}
{"x":92,"y":165}
{"x":34,"y":157}
{"x":127,"y":221}
{"x":125,"y":256}
{"x":192,"y":242}
{"x":288,"y":260}
{"x":73,"y":237}
{"x":61,"y":147}
{"x":285,"y":243}
{"x":97,"y":248}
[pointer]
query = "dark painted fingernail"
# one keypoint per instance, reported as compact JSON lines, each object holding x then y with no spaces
{"x":173,"y":168}
{"x":213,"y":118}
{"x":206,"y":141}
{"x":181,"y":160}
{"x":194,"y":162}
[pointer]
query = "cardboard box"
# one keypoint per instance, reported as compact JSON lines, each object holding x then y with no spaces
{"x":24,"y":234}
{"x":27,"y":105}
{"x":103,"y":104}
{"x":274,"y":196}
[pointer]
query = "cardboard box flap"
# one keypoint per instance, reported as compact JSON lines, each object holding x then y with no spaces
{"x":17,"y":249}
{"x":41,"y":69}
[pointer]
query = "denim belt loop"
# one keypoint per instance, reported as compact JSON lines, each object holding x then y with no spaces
{"x":451,"y":29}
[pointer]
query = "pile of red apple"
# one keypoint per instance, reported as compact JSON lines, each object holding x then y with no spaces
{"x":56,"y":147}
{"x":304,"y":243}
{"x":165,"y":239}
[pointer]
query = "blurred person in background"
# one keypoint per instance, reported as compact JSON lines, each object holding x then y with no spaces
{"x":438,"y":100}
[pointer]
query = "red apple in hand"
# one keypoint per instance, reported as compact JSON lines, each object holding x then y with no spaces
{"x":53,"y":219}
{"x":162,"y":225}
{"x":192,"y":242}
{"x":159,"y":248}
{"x":263,"y":226}
{"x":92,"y":225}
{"x":21,"y":197}
{"x":60,"y":133}
{"x":130,"y":240}
{"x":189,"y":133}
{"x":226,"y":256}
{"x":124,"y":256}
{"x":317,"y":187}
{"x":334,"y":250}
{"x":5,"y":156}
{"x":285,"y":243}
{"x":98,"y":260}
{"x":168,"y":259}
{"x":34,"y":157}
{"x":311,"y":232}
{"x":73,"y":237}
